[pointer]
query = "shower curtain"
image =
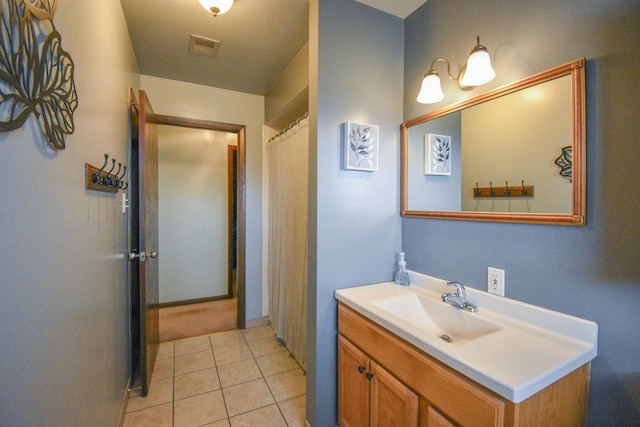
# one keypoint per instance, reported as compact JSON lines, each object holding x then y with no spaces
{"x":288,"y":172}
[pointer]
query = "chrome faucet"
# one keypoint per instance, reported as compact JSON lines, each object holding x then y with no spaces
{"x":458,"y":298}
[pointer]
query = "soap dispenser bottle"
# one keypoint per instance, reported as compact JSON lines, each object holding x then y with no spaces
{"x":402,"y":275}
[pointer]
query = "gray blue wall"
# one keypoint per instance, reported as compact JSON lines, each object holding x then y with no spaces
{"x":63,"y":270}
{"x":590,"y":271}
{"x":355,"y":226}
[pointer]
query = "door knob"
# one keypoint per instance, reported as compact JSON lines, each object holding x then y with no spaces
{"x":142,"y":256}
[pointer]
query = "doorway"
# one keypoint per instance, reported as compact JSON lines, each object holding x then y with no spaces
{"x":142,"y":309}
{"x":232,"y":144}
{"x":196,"y":215}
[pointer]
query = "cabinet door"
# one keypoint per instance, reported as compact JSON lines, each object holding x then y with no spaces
{"x":436,"y":419}
{"x":353,"y":385}
{"x":392,"y":403}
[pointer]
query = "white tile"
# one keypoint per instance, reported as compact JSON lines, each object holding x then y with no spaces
{"x":265,"y":346}
{"x":199,"y":410}
{"x":294,"y":411}
{"x":258,"y":332}
{"x":287,"y":385}
{"x":194,"y":362}
{"x":276,"y":363}
{"x":232,"y":353}
{"x":268,"y":416}
{"x":238,"y":372}
{"x":246,"y":397}
{"x":195,"y":383}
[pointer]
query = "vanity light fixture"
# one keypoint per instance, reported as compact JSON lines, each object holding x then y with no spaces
{"x":217,"y":7}
{"x":476,"y":72}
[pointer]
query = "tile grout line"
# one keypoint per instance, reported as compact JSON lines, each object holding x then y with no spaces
{"x":224,"y":401}
{"x":254,"y":358}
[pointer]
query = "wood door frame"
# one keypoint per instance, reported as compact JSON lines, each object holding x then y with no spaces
{"x":240,"y":131}
{"x":232,"y":154}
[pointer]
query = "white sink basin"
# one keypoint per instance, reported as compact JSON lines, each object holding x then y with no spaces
{"x":448,"y":323}
{"x":512,"y":348}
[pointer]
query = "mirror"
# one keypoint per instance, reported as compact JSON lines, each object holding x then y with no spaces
{"x":514,"y":154}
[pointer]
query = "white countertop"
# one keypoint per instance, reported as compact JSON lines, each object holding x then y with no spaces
{"x":533,"y":348}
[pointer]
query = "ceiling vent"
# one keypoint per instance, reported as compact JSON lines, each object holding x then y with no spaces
{"x":203,"y":46}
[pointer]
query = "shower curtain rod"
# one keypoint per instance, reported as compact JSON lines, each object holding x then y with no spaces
{"x":291,"y":125}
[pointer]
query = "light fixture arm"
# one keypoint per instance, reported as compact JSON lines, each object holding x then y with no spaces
{"x":431,"y":68}
{"x":458,"y":78}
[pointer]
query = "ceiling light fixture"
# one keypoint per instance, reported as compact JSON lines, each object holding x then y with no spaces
{"x":217,"y":7}
{"x":476,"y":72}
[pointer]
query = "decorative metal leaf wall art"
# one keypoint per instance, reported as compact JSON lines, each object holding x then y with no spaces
{"x":36,"y":74}
{"x":565,"y":162}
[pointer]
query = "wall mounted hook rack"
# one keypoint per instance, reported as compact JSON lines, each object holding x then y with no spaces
{"x":100,"y":180}
{"x":506,"y":191}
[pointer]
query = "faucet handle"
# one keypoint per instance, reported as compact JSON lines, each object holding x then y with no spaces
{"x":459,"y":288}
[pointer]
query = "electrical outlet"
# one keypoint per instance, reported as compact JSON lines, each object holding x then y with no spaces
{"x":495,"y":281}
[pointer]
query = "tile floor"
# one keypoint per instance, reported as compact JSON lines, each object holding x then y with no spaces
{"x":226,"y":379}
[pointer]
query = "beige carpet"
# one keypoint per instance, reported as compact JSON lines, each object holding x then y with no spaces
{"x":191,"y":320}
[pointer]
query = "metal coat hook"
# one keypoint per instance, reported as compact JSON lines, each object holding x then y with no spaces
{"x":106,"y":180}
{"x":101,"y":180}
{"x":506,"y":191}
{"x":118,"y":171}
{"x":96,"y":175}
{"x":122,"y":184}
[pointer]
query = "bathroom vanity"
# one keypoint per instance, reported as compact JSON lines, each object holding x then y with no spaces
{"x":405,"y":358}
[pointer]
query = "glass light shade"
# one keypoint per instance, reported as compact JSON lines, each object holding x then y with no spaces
{"x":217,"y":7}
{"x":479,"y":70}
{"x":430,"y":91}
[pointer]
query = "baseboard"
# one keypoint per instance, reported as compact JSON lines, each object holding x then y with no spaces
{"x":193,"y":301}
{"x":257,"y":322}
{"x":125,"y":402}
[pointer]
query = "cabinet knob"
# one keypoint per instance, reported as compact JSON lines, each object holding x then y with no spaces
{"x":369,"y":376}
{"x":361,"y":369}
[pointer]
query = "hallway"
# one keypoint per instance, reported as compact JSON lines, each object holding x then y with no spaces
{"x":225,"y":379}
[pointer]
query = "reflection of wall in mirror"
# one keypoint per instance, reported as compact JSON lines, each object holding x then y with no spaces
{"x":193,"y":212}
{"x":518,"y":137}
{"x":434,"y":192}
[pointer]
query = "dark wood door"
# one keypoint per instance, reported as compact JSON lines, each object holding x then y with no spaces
{"x":144,"y":243}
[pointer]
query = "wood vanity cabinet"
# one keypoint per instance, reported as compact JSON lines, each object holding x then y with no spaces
{"x":369,"y":395}
{"x":385,"y":381}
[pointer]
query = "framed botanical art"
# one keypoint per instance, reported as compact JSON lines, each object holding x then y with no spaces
{"x":360,"y":147}
{"x":437,"y":154}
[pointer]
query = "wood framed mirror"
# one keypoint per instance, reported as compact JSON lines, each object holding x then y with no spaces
{"x":522,"y":159}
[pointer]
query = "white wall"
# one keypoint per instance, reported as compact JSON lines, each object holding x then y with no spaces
{"x":193,"y":212}
{"x":202,"y":102}
{"x":63,"y":270}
